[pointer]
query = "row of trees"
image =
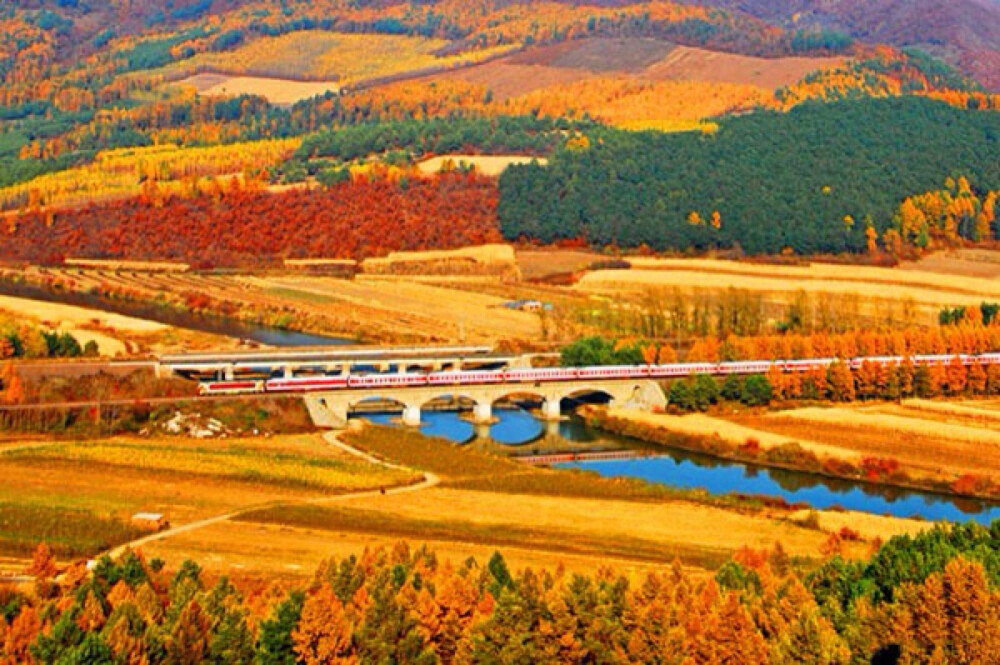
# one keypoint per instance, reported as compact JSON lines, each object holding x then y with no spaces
{"x":929,"y":598}
{"x":968,"y":337}
{"x":838,"y":382}
{"x":971,"y":336}
{"x":808,"y":184}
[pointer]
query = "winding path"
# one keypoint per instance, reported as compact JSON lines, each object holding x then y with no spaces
{"x":429,"y":480}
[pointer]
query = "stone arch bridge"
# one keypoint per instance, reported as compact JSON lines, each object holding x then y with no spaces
{"x":331,"y":409}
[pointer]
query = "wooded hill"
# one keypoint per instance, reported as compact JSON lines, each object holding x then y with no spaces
{"x":813,"y":179}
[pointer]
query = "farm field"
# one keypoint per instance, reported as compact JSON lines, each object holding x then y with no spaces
{"x":491,"y":165}
{"x":327,"y":56}
{"x":929,"y":437}
{"x":371,"y":308}
{"x":928,"y":291}
{"x":283,"y":92}
{"x":105,"y":482}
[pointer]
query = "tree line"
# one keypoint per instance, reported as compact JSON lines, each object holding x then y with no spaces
{"x":926,"y":598}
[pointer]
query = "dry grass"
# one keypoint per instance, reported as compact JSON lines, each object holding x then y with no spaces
{"x":869,"y":526}
{"x":927,"y":443}
{"x":284,"y":551}
{"x":241,"y":461}
{"x":687,"y":63}
{"x":282,"y":92}
{"x":829,"y":272}
{"x":490,"y":165}
{"x":874,"y":288}
{"x":541,"y":263}
{"x":583,"y":534}
{"x":69,"y":488}
{"x":890,"y":423}
{"x":982,"y":263}
{"x":976,"y":412}
{"x":71,"y":316}
{"x":407,"y":308}
{"x":701,"y":425}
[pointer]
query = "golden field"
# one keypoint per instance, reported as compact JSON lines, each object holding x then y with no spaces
{"x":315,"y":55}
{"x":105,"y":482}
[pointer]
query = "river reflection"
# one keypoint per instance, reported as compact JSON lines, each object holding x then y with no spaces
{"x":519,"y":433}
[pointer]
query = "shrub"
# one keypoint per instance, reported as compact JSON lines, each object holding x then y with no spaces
{"x":732,"y":388}
{"x":757,"y":391}
{"x":680,"y":396}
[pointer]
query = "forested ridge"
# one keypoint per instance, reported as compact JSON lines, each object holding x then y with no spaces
{"x":928,"y":598}
{"x":812,"y":179}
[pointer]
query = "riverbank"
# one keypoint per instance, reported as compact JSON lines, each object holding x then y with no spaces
{"x":823,"y":454}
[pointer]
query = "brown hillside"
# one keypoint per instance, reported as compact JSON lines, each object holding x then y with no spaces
{"x":643,"y":59}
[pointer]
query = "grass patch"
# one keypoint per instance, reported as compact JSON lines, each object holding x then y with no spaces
{"x":253,"y":464}
{"x":70,"y":533}
{"x":333,"y":518}
{"x":297,"y":294}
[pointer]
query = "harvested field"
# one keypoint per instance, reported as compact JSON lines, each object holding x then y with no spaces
{"x":492,"y":165}
{"x":825,"y":272}
{"x":508,"y":80}
{"x":873,"y":287}
{"x":975,"y":412}
{"x":880,"y":420}
{"x":980,"y":263}
{"x":928,"y":443}
{"x":282,"y":92}
{"x":409,"y":308}
{"x":688,"y":63}
{"x":537,"y":263}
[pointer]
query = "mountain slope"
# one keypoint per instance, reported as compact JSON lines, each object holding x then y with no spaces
{"x":963,"y":32}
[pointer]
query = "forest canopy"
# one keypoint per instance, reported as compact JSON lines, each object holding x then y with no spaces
{"x":813,"y":179}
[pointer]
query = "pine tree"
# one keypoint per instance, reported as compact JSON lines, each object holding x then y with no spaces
{"x":275,"y":645}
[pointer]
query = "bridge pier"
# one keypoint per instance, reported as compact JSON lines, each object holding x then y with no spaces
{"x":482,"y":413}
{"x":551,"y":409}
{"x":482,"y":431}
{"x":411,"y":416}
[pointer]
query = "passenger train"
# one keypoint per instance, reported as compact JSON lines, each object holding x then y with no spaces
{"x":552,"y":374}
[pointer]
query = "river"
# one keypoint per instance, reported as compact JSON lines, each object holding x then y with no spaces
{"x":217,"y":325}
{"x":518,"y":433}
